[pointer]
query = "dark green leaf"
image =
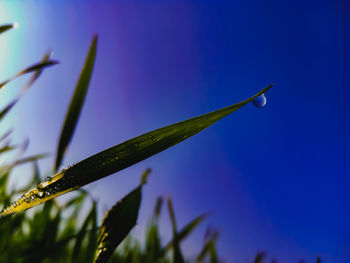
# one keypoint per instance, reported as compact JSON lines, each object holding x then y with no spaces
{"x":124,"y":155}
{"x":5,"y":28}
{"x":76,"y":104}
{"x":118,"y":222}
{"x":183,"y":233}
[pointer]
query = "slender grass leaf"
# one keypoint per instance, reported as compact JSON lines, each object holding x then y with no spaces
{"x":177,"y":257}
{"x":158,"y":208}
{"x":7,"y":148}
{"x":76,"y":104}
{"x":5,"y":135}
{"x":123,"y":155}
{"x":35,"y":67}
{"x":210,"y":241}
{"x":5,"y":28}
{"x":35,"y":76}
{"x":184,"y":232}
{"x":38,"y":72}
{"x":118,"y":222}
{"x":30,"y":159}
{"x":83,"y":231}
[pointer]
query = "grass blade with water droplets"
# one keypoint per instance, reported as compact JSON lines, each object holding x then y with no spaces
{"x":118,"y":222}
{"x":5,"y":28}
{"x":124,"y":155}
{"x":76,"y":104}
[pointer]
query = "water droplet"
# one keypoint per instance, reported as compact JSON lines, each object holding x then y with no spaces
{"x":14,"y":204}
{"x":32,"y":197}
{"x":48,"y":178}
{"x":48,"y":193}
{"x":40,"y":194}
{"x":260,"y":101}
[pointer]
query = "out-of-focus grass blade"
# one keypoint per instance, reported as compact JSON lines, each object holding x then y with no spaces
{"x":83,"y":231}
{"x":208,"y":246}
{"x":5,"y":28}
{"x":30,"y":159}
{"x":122,"y":156}
{"x":35,"y":67}
{"x":260,"y":256}
{"x":184,"y":232}
{"x":178,"y":257}
{"x":118,"y":222}
{"x":6,"y":148}
{"x":38,"y":72}
{"x":5,"y":135}
{"x":76,"y":104}
{"x":35,"y":76}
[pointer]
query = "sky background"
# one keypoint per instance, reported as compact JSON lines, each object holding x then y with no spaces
{"x":274,"y":179}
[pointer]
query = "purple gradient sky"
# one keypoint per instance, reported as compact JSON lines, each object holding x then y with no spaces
{"x":274,"y":179}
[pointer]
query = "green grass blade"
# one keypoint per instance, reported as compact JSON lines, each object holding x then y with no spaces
{"x":35,"y":67}
{"x":208,"y":246}
{"x":118,"y":222}
{"x":184,"y":232}
{"x":76,"y":104}
{"x":5,"y":28}
{"x":177,"y":256}
{"x":82,"y":233}
{"x":123,"y":155}
{"x":35,"y":76}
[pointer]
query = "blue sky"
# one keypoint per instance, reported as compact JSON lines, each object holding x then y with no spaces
{"x":274,"y":179}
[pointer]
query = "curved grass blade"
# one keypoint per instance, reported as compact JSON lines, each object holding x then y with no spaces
{"x":122,"y":156}
{"x":76,"y":104}
{"x":35,"y":67}
{"x":118,"y":222}
{"x":35,"y":76}
{"x":5,"y":28}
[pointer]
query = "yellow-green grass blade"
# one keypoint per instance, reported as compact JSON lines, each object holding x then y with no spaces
{"x":118,"y":222}
{"x":76,"y":104}
{"x":35,"y":67}
{"x":7,"y":148}
{"x":5,"y":28}
{"x":122,"y":156}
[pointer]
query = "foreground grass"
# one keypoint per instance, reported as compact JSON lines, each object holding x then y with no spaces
{"x":51,"y":232}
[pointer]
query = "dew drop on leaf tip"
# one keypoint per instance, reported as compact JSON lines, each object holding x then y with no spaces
{"x":260,"y":101}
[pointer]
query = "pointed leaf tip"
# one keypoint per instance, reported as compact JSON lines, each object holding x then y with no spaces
{"x":76,"y":104}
